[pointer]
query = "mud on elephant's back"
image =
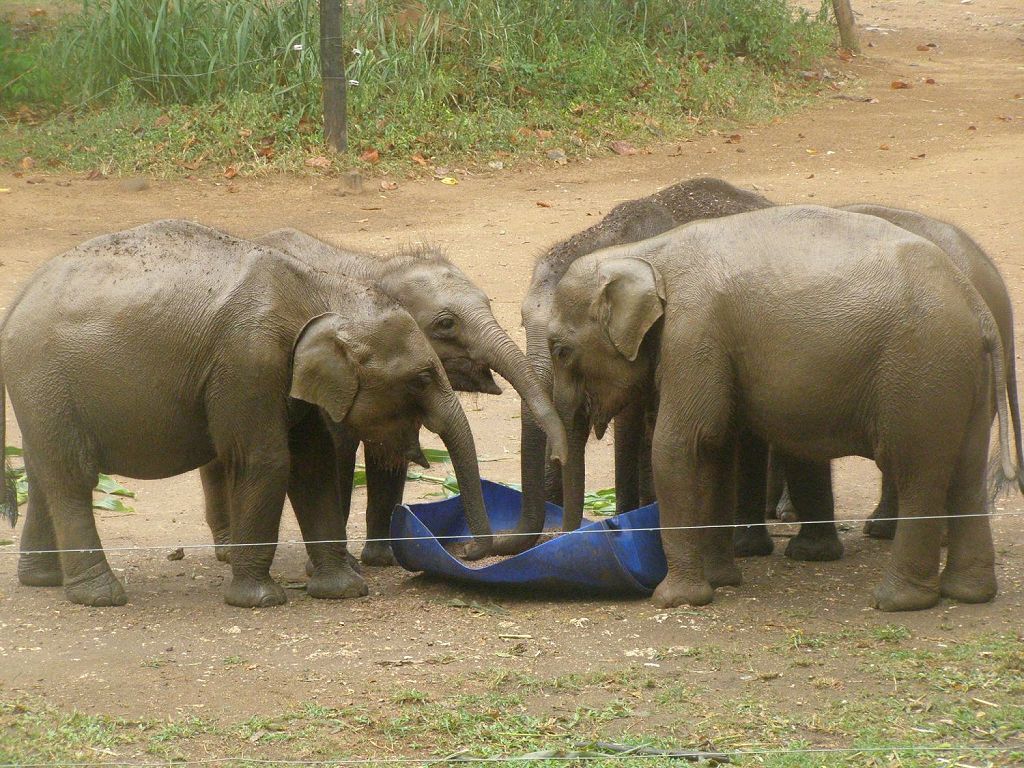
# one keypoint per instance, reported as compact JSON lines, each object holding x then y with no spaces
{"x":620,"y":555}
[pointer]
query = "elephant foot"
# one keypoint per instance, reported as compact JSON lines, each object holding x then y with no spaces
{"x":881,"y":525}
{"x":815,"y":549}
{"x":378,"y":553}
{"x":349,"y":558}
{"x":671,"y":593}
{"x":969,"y":587}
{"x":896,"y":594}
{"x":336,"y":584}
{"x":95,"y":586}
{"x":474,"y":549}
{"x":513,"y":545}
{"x":723,"y":574}
{"x":40,"y":570}
{"x":247,"y":592}
{"x":752,"y":541}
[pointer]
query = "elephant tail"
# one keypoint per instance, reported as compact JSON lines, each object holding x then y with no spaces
{"x":1011,"y":396}
{"x":1004,"y":391}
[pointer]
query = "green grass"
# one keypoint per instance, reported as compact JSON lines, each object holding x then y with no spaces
{"x":183,"y":86}
{"x":966,"y":696}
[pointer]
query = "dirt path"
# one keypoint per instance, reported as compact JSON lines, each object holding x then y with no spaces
{"x":954,"y":149}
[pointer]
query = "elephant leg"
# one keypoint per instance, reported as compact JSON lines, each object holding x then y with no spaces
{"x":882,"y":523}
{"x":629,"y":437}
{"x":775,"y":487}
{"x":720,"y":567}
{"x":257,"y":485}
{"x":810,"y":485}
{"x":552,"y":480}
{"x":218,"y":514}
{"x":385,"y":485}
{"x":751,"y":539}
{"x":911,"y":580}
{"x":40,"y":568}
{"x":969,"y":575}
{"x":314,"y":491}
{"x":647,"y":495}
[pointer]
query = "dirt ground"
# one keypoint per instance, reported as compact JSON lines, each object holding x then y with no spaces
{"x":952,"y":145}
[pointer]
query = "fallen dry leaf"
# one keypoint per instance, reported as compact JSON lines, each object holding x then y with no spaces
{"x":230,"y":172}
{"x":370,"y":156}
{"x":420,"y":160}
{"x":923,"y":48}
{"x":232,"y":188}
{"x":884,"y":146}
{"x":622,"y":148}
{"x":265,"y":151}
{"x":388,"y":186}
{"x":734,"y":139}
{"x":27,"y":163}
{"x":899,"y":85}
{"x":305,"y":126}
{"x":540,"y":133}
{"x":161,"y":121}
{"x":972,"y":127}
{"x":930,"y":80}
{"x":318,"y":162}
{"x":845,"y":54}
{"x":1004,"y":118}
{"x":245,"y":133}
{"x":95,"y":175}
{"x":543,"y":204}
{"x":451,"y":181}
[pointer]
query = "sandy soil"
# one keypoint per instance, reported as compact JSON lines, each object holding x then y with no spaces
{"x":954,"y":149}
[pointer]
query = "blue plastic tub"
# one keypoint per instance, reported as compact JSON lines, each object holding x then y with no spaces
{"x":601,"y":557}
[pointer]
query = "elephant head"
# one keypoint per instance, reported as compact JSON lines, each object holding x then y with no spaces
{"x":383,"y":381}
{"x":602,"y":338}
{"x":453,"y":313}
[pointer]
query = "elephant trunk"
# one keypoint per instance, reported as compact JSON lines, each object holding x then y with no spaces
{"x":505,"y":357}
{"x":533,"y":451}
{"x":446,"y":418}
{"x":577,"y":427}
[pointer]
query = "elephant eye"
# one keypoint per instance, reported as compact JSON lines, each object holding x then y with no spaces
{"x":421,"y":381}
{"x":562,"y":353}
{"x":444,"y":323}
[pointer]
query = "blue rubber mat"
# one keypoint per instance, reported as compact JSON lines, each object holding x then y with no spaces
{"x":602,"y":557}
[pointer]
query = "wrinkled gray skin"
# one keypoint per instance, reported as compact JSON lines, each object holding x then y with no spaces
{"x":626,"y":223}
{"x":238,"y":352}
{"x":455,"y":315}
{"x":809,"y":327}
{"x":968,"y":257}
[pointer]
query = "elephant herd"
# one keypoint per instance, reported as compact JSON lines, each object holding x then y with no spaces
{"x":738,"y":346}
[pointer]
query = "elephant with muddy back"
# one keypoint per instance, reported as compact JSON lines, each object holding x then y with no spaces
{"x":628,"y":222}
{"x":456,"y":318}
{"x":240,"y":355}
{"x":824,"y":333}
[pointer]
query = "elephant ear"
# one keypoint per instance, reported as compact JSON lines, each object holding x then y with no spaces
{"x":631,"y":301}
{"x":323,"y":370}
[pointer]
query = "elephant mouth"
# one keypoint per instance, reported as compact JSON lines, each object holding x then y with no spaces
{"x":468,"y":375}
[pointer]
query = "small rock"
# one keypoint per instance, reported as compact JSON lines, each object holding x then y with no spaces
{"x":558,"y":155}
{"x":133,"y":185}
{"x":496,"y":165}
{"x":178,"y":554}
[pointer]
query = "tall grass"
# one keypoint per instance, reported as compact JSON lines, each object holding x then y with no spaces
{"x":444,"y":76}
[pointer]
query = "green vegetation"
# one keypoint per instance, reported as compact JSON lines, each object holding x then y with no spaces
{"x":899,"y":705}
{"x":110,"y":490}
{"x":175,"y":86}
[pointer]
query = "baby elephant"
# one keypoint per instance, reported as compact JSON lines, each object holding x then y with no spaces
{"x":238,"y":354}
{"x":826,"y":334}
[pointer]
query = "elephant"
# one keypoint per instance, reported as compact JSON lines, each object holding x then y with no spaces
{"x":969,"y":258}
{"x":237,"y":354}
{"x":455,"y":316}
{"x":628,"y":222}
{"x":809,"y":327}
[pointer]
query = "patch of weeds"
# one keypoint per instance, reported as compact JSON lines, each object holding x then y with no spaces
{"x":409,"y":696}
{"x":891,"y":633}
{"x":233,"y":661}
{"x":156,"y":662}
